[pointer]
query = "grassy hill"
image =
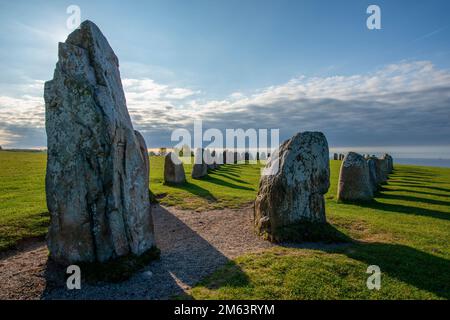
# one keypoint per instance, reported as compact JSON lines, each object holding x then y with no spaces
{"x":405,"y":231}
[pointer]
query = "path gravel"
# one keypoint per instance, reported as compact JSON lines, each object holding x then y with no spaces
{"x":193,"y":245}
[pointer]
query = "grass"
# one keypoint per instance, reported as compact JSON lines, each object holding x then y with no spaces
{"x":23,"y":210}
{"x":230,"y":187}
{"x":405,"y":231}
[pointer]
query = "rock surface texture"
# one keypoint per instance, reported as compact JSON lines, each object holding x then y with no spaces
{"x":371,"y":163}
{"x":173,"y":169}
{"x":382,"y":174}
{"x":354,"y":179}
{"x":389,"y":163}
{"x":295,"y":192}
{"x":96,"y":181}
{"x":200,"y":168}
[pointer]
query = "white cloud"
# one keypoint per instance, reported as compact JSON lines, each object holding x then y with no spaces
{"x":396,"y":104}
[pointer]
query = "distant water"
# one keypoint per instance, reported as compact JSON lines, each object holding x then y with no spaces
{"x":424,"y":162}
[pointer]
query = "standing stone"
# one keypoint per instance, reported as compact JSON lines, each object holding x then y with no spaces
{"x":144,"y":152}
{"x":173,"y":169}
{"x":354,"y":179}
{"x":96,"y":180}
{"x":371,"y":163}
{"x":200,"y":168}
{"x":230,"y":157}
{"x":236,"y":157}
{"x":207,"y":158}
{"x":389,"y":163}
{"x":295,"y":192}
{"x":335,"y":156}
{"x":381,"y":171}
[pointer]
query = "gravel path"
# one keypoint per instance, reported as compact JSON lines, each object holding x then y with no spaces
{"x":193,"y":245}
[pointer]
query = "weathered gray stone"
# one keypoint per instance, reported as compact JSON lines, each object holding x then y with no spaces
{"x":96,"y":181}
{"x":173,"y":169}
{"x":389,"y":163}
{"x":371,"y":163}
{"x":381,"y":167}
{"x":144,"y":152}
{"x":335,"y":156}
{"x":295,"y":193}
{"x":200,"y":168}
{"x":235,"y":157}
{"x":354,"y":179}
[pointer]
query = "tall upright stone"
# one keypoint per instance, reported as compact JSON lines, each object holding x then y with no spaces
{"x":371,"y":163}
{"x":173,"y":169}
{"x":144,"y":152}
{"x":382,"y":174}
{"x":96,"y":180}
{"x":389,"y":163}
{"x":354,"y":179}
{"x":200,"y":168}
{"x":294,"y":191}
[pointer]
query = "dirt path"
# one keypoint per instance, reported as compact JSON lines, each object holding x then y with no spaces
{"x":192,"y":245}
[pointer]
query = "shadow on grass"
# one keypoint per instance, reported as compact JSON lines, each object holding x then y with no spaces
{"x":414,"y":267}
{"x":409,"y":265}
{"x":305,"y":232}
{"x":224,"y":183}
{"x":195,"y":190}
{"x":231,"y":177}
{"x":186,"y":258}
{"x":416,"y":191}
{"x":415,"y":199}
{"x":421,"y":186}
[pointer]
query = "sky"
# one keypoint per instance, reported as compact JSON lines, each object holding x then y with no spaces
{"x":288,"y":65}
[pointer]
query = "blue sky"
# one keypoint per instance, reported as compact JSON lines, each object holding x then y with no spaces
{"x":182,"y":60}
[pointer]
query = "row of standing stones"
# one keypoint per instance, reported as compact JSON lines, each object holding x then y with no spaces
{"x":97,"y":179}
{"x":361,"y":177}
{"x":204,"y":161}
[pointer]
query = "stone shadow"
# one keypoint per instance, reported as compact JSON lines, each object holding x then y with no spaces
{"x":416,"y":191}
{"x":415,"y":199}
{"x":417,"y":268}
{"x":186,"y":258}
{"x":224,"y":183}
{"x":228,"y":176}
{"x":398,"y":208}
{"x":195,"y":190}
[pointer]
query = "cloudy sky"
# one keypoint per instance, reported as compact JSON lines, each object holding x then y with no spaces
{"x":292,"y":65}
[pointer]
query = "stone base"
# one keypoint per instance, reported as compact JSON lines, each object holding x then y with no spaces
{"x":116,"y":270}
{"x":307,"y":232}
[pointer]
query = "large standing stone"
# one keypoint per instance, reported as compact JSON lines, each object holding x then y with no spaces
{"x":96,"y":181}
{"x":335,"y":156}
{"x":295,"y":192}
{"x":389,"y":163}
{"x":200,"y":168}
{"x":173,"y":169}
{"x":354,"y":179}
{"x":371,"y":163}
{"x":382,"y":174}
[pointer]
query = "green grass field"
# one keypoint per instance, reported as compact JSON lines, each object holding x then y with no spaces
{"x":405,"y":231}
